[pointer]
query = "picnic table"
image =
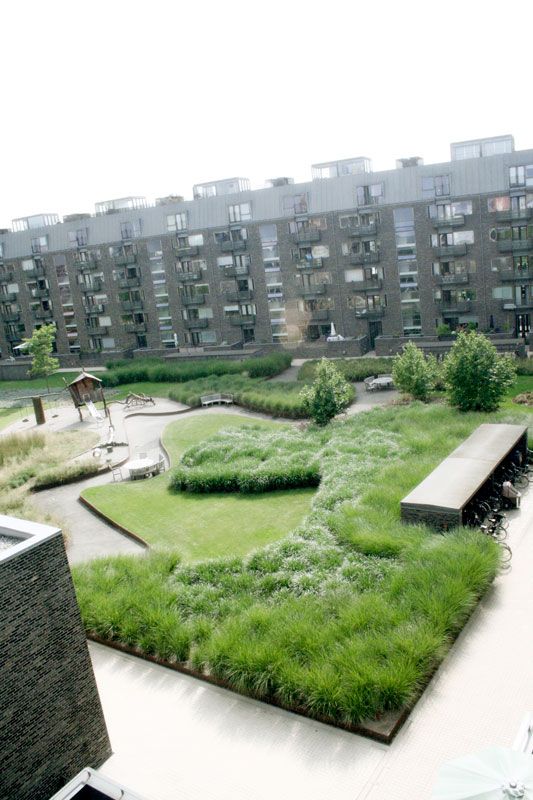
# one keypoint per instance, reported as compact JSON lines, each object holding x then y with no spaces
{"x":379,"y":383}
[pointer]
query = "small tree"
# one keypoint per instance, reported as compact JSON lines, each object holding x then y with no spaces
{"x":476,"y":377}
{"x":329,"y":394}
{"x":413,"y":373}
{"x":40,"y":346}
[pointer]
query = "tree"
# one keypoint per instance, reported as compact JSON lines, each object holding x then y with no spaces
{"x":476,"y":377}
{"x":413,"y":373}
{"x":329,"y":394}
{"x":40,"y":346}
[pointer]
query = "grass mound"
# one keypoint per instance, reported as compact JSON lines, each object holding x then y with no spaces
{"x":353,"y":369}
{"x":345,"y":619}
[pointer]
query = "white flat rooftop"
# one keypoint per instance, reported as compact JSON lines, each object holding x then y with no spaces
{"x":177,"y":738}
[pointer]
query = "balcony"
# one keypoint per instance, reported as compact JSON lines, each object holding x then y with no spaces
{"x":135,"y":327}
{"x":516,"y":276}
{"x":132,"y":305}
{"x":364,"y":258}
{"x":11,"y":317}
{"x":187,"y":252}
{"x":319,"y":316}
{"x":448,"y":280}
{"x":242,"y":319}
{"x":100,"y":330}
{"x":187,"y":277}
{"x":523,"y":305}
{"x":453,"y":306}
{"x":40,"y":293}
{"x":97,"y":308}
{"x":233,"y":247}
{"x":450,"y":250}
{"x":8,"y":297}
{"x":307,"y":236}
{"x":312,"y":291}
{"x":370,"y":313}
{"x":448,"y":222}
{"x":310,"y":263}
{"x":196,"y":323}
{"x":6,"y":277}
{"x":87,"y":265}
{"x":36,"y":272}
{"x":124,"y":261}
{"x":43,"y":313}
{"x":362,"y":230}
{"x":237,"y":297}
{"x":95,"y":286}
{"x":236,"y":272}
{"x":130,"y":283}
{"x":515,"y":245}
{"x":14,"y":337}
{"x":193,"y":300}
{"x":514,"y":216}
{"x":370,"y":285}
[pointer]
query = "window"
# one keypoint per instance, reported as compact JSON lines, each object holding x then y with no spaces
{"x":240,"y":212}
{"x":529,"y":175}
{"x":403,"y":217}
{"x":498,"y":203}
{"x":435,"y":186}
{"x":369,"y":195}
{"x":294,"y":204}
{"x":268,"y":234}
{"x":154,"y":249}
{"x":517,"y":176}
{"x":78,"y":238}
{"x":130,"y":230}
{"x":39,"y":244}
{"x":177,"y":222}
{"x":196,"y":240}
{"x":462,"y":151}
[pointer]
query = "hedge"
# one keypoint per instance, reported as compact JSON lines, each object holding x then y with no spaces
{"x":353,"y":369}
{"x":228,"y":478}
{"x":61,"y":475}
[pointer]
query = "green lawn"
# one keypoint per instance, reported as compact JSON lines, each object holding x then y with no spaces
{"x":201,"y":526}
{"x":26,"y":386}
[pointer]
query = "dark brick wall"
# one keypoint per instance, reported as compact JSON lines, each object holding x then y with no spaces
{"x":51,"y":721}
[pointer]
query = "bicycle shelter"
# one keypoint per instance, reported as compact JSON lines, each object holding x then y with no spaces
{"x":442,"y":498}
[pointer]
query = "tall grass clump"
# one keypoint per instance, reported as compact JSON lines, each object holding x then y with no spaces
{"x":345,"y":619}
{"x":353,"y":369}
{"x":65,"y":473}
{"x":18,"y":445}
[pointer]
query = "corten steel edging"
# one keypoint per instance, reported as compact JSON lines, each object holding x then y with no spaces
{"x":112,"y":523}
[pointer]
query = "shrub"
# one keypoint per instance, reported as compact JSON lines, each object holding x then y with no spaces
{"x":353,"y":369}
{"x":443,"y":329}
{"x":229,"y":478}
{"x":413,"y":373}
{"x":329,"y":395}
{"x":63,"y":474}
{"x":476,"y":376}
{"x":524,"y":366}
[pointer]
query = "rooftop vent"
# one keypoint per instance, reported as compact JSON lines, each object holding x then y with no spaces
{"x":413,"y":161}
{"x":279,"y":181}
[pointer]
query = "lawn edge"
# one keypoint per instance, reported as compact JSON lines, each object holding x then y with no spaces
{"x":111,"y":522}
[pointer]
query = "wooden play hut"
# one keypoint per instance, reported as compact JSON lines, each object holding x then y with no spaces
{"x":86,"y":388}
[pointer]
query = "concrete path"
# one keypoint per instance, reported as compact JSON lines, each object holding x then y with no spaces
{"x":176,"y":737}
{"x":366,"y":401}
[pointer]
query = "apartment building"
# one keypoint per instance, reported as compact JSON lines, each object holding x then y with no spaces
{"x":393,"y":253}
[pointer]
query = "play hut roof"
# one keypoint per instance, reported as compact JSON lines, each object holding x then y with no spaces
{"x":83,"y":376}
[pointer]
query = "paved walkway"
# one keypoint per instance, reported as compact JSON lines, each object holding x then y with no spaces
{"x":174,"y":736}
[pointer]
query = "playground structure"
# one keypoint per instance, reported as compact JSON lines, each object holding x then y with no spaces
{"x":133,"y":400}
{"x":85,"y":390}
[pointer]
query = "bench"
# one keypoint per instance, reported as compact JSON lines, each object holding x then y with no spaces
{"x":216,"y":399}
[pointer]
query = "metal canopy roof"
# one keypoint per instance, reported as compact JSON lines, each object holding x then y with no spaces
{"x":456,"y":480}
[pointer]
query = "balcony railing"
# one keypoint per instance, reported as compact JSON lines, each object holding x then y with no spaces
{"x":448,"y":222}
{"x":132,"y":305}
{"x":43,"y":313}
{"x":193,"y":300}
{"x":196,"y":323}
{"x":515,"y":245}
{"x":370,"y":313}
{"x":124,"y":261}
{"x":370,"y":285}
{"x":14,"y":337}
{"x":36,"y":272}
{"x":129,"y":283}
{"x":310,"y":263}
{"x":454,"y":306}
{"x":522,"y":305}
{"x":447,"y":280}
{"x":11,"y":317}
{"x":307,"y":235}
{"x":364,"y":258}
{"x":242,"y":319}
{"x":186,"y":277}
{"x":135,"y":327}
{"x":8,"y":297}
{"x":319,"y":316}
{"x":86,"y":266}
{"x":237,"y":297}
{"x":236,"y":272}
{"x":187,"y":252}
{"x":311,"y":291}
{"x":40,"y":293}
{"x":514,"y":216}
{"x":450,"y":250}
{"x":516,"y":276}
{"x":95,"y":286}
{"x":96,"y":308}
{"x":362,"y":230}
{"x":232,"y":247}
{"x":6,"y":277}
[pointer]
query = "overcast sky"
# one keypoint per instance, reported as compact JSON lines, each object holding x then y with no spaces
{"x":108,"y":98}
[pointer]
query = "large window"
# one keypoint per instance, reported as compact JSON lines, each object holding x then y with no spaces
{"x":369,"y":195}
{"x":39,"y":244}
{"x":502,"y":203}
{"x":240,"y":212}
{"x":78,"y":238}
{"x":294,"y":204}
{"x":130,"y":230}
{"x":517,"y":176}
{"x":435,"y":186}
{"x":177,"y":222}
